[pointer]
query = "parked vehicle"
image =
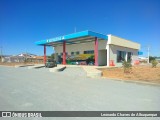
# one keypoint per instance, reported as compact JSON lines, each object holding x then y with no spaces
{"x":50,"y":63}
{"x":91,"y":63}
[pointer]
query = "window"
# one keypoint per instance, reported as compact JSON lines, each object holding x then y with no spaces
{"x":72,"y":53}
{"x":77,"y":53}
{"x":89,"y":52}
{"x":121,"y":56}
{"x":62,"y":54}
{"x":129,"y":56}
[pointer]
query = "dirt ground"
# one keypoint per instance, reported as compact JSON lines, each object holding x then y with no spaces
{"x":138,"y":73}
{"x":13,"y":64}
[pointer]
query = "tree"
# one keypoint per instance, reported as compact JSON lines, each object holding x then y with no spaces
{"x":151,"y":58}
{"x":90,"y":59}
{"x":52,"y":56}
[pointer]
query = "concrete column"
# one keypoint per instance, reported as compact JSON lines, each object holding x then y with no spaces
{"x":108,"y":49}
{"x":126,"y":56}
{"x":96,"y":51}
{"x":64,"y":52}
{"x":44,"y":59}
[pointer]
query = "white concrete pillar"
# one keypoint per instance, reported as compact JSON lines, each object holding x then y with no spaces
{"x":126,"y":56}
{"x":108,"y":49}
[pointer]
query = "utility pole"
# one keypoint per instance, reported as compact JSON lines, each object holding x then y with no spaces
{"x":148,"y":53}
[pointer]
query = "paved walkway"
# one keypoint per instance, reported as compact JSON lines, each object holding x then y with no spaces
{"x":90,"y":71}
{"x":73,"y":72}
{"x":38,"y":89}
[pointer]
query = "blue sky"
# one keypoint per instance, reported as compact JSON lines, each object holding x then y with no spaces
{"x":23,"y":22}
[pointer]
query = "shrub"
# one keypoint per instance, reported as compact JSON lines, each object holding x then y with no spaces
{"x":151,"y":58}
{"x":154,"y":63}
{"x":127,"y":66}
{"x":90,"y":59}
{"x":51,"y":57}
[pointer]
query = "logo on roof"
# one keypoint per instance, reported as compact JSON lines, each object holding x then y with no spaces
{"x":55,"y":39}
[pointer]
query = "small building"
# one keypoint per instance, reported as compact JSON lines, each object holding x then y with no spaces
{"x":23,"y":57}
{"x":13,"y":59}
{"x":108,"y":50}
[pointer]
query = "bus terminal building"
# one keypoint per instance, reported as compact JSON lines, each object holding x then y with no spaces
{"x":108,"y":50}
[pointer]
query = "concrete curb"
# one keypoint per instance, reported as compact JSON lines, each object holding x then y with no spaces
{"x":92,"y":72}
{"x":57,"y":69}
{"x":133,"y":81}
{"x":17,"y":66}
{"x":36,"y":66}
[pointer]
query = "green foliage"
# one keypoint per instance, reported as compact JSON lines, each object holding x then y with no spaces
{"x":68,"y":62}
{"x":154,"y":63}
{"x":90,"y":59}
{"x":151,"y":58}
{"x":81,"y":57}
{"x":127,"y":66}
{"x":51,"y":57}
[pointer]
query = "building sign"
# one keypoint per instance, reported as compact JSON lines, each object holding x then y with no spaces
{"x":55,"y":39}
{"x":140,"y":53}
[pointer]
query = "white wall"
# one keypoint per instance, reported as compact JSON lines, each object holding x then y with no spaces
{"x":123,"y":42}
{"x":113,"y":53}
{"x":102,"y":57}
{"x":81,"y":47}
